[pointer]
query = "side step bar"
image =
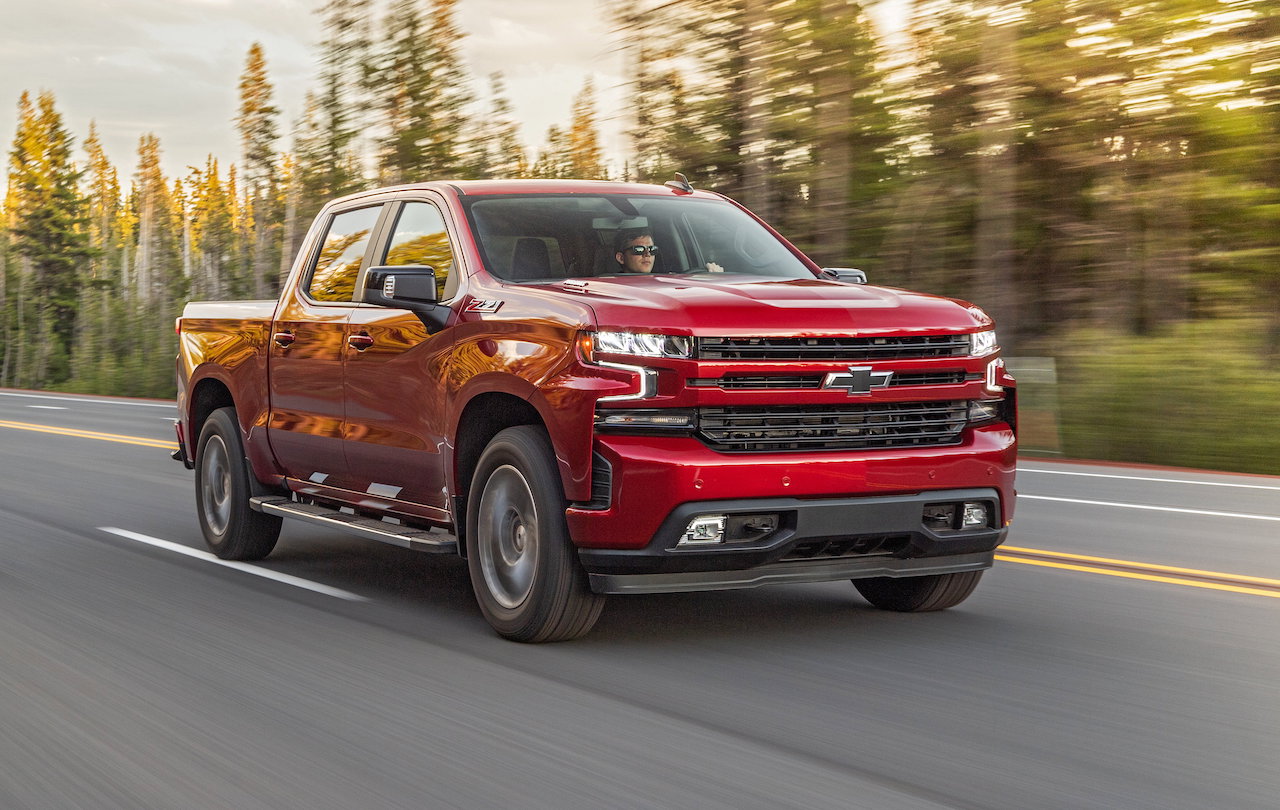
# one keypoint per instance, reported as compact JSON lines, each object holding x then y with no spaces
{"x":435,"y":542}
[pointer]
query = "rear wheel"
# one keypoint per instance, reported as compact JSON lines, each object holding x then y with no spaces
{"x":525,"y":571}
{"x":918,"y":594}
{"x":232,"y":530}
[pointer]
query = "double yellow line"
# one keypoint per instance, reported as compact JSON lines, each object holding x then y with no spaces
{"x":91,"y":434}
{"x":1150,"y":572}
{"x":1106,"y":566}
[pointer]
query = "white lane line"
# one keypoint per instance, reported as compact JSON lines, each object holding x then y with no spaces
{"x":1151,"y":508}
{"x":1145,"y":478}
{"x":121,"y":401}
{"x":297,"y":582}
{"x":48,"y":407}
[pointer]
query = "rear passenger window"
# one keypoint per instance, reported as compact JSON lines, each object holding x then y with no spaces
{"x":334,"y":276}
{"x":420,"y":238}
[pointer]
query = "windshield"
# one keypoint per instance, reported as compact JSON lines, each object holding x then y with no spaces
{"x":545,"y":237}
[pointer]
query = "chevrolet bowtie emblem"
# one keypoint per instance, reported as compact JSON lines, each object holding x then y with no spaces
{"x":859,"y":380}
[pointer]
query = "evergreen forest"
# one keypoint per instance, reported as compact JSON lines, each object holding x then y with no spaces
{"x":1102,"y":176}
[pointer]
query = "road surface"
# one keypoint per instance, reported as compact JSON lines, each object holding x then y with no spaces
{"x":1123,"y":653}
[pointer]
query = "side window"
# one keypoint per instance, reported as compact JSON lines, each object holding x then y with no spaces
{"x":334,"y":276}
{"x":420,"y":238}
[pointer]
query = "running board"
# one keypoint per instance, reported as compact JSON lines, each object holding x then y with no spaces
{"x":435,"y":542}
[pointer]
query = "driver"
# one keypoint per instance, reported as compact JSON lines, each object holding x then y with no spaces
{"x":635,"y":251}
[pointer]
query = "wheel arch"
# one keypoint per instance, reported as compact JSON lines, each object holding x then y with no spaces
{"x":209,"y":395}
{"x":484,"y":416}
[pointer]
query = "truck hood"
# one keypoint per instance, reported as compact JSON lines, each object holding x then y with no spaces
{"x":740,"y":305}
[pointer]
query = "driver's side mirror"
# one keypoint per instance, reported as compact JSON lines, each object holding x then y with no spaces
{"x":400,"y":286}
{"x":845,"y":274}
{"x":411,"y":287}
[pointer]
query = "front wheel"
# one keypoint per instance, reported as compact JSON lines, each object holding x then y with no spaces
{"x":231,"y":528}
{"x":524,"y":570}
{"x":918,"y":594}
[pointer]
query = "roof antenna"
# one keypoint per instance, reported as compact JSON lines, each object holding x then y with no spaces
{"x":680,"y":184}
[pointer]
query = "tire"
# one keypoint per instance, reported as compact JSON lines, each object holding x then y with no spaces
{"x":231,"y":529}
{"x":524,"y":570}
{"x":918,"y":594}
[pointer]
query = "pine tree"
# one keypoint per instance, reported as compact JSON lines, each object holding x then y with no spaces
{"x":15,"y":270}
{"x":49,"y":229}
{"x":554,"y":160}
{"x":158,"y":257}
{"x":494,"y":148}
{"x":257,"y":123}
{"x":404,"y":78}
{"x":258,"y":135}
{"x":423,"y":95}
{"x":339,"y":109}
{"x":287,"y":192}
{"x":213,"y":237}
{"x":507,"y":158}
{"x":104,"y":211}
{"x":691,"y":90}
{"x":930,"y":245}
{"x":309,"y":186}
{"x":94,"y":326}
{"x":586,"y":158}
{"x":240,"y":209}
{"x":449,"y":94}
{"x":781,"y":105}
{"x":753,"y":108}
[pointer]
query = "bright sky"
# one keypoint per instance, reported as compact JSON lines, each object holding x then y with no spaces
{"x":171,"y":66}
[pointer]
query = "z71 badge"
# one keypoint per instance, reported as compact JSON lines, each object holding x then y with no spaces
{"x":483,"y":305}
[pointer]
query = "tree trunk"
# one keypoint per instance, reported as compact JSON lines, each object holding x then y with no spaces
{"x":1168,"y":230}
{"x":5,"y":334}
{"x":754,"y":108}
{"x":290,"y":224}
{"x":261,"y":247}
{"x":144,"y":259}
{"x":833,"y":96}
{"x":20,"y":366}
{"x":995,"y":285}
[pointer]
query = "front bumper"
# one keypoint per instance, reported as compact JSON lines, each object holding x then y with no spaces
{"x":815,"y":571}
{"x":815,"y":541}
{"x":652,"y":476}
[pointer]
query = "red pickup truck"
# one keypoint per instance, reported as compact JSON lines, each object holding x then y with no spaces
{"x":591,"y":388}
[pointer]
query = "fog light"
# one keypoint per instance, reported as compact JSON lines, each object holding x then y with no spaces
{"x":746,"y":528}
{"x":975,"y":516}
{"x":704,"y":530}
{"x":940,"y":516}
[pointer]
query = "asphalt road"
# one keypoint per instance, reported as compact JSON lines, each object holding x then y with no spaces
{"x":133,"y":675}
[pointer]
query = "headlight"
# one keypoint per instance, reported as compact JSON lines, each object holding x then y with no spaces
{"x":638,"y":344}
{"x":983,"y":343}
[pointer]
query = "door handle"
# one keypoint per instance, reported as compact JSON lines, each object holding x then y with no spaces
{"x":284,"y":339}
{"x":359,"y":342}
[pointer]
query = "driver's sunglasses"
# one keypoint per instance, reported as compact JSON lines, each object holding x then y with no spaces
{"x":641,"y":250}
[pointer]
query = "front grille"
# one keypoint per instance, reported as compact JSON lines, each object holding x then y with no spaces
{"x":833,"y":348}
{"x":739,"y":382}
{"x":833,"y":427}
{"x":826,"y":548}
{"x":766,"y":382}
{"x":930,"y":378}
